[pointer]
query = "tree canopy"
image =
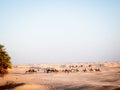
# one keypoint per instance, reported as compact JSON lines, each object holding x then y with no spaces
{"x":4,"y":60}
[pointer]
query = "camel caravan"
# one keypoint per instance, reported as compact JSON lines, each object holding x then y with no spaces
{"x":30,"y":71}
{"x":66,"y":69}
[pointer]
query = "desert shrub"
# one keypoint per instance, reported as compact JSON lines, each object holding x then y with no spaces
{"x":4,"y":60}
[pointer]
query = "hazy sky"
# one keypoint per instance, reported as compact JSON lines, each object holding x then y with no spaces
{"x":47,"y":31}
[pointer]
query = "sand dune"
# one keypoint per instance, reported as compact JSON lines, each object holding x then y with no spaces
{"x":107,"y":79}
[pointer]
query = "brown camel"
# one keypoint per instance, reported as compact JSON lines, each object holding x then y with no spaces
{"x":84,"y":70}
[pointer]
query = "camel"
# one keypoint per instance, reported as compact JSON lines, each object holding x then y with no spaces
{"x":90,"y":69}
{"x":66,"y":71}
{"x":50,"y":70}
{"x":30,"y":71}
{"x":89,"y":65}
{"x":84,"y":70}
{"x":81,"y":66}
{"x":97,"y":69}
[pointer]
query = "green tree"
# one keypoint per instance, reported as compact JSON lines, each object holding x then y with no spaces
{"x":4,"y":61}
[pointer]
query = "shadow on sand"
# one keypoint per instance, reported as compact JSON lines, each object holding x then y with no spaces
{"x":88,"y":87}
{"x":10,"y":85}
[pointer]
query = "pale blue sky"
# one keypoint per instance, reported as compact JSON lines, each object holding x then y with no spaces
{"x":51,"y":31}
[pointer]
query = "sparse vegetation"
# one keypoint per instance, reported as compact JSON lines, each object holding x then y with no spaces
{"x":4,"y":61}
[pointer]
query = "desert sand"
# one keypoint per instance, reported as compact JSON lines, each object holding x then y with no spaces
{"x":108,"y":78}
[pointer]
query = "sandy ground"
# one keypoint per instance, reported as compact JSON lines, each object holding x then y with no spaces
{"x":107,"y":79}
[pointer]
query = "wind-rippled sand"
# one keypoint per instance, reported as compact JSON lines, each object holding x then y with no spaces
{"x":107,"y":79}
